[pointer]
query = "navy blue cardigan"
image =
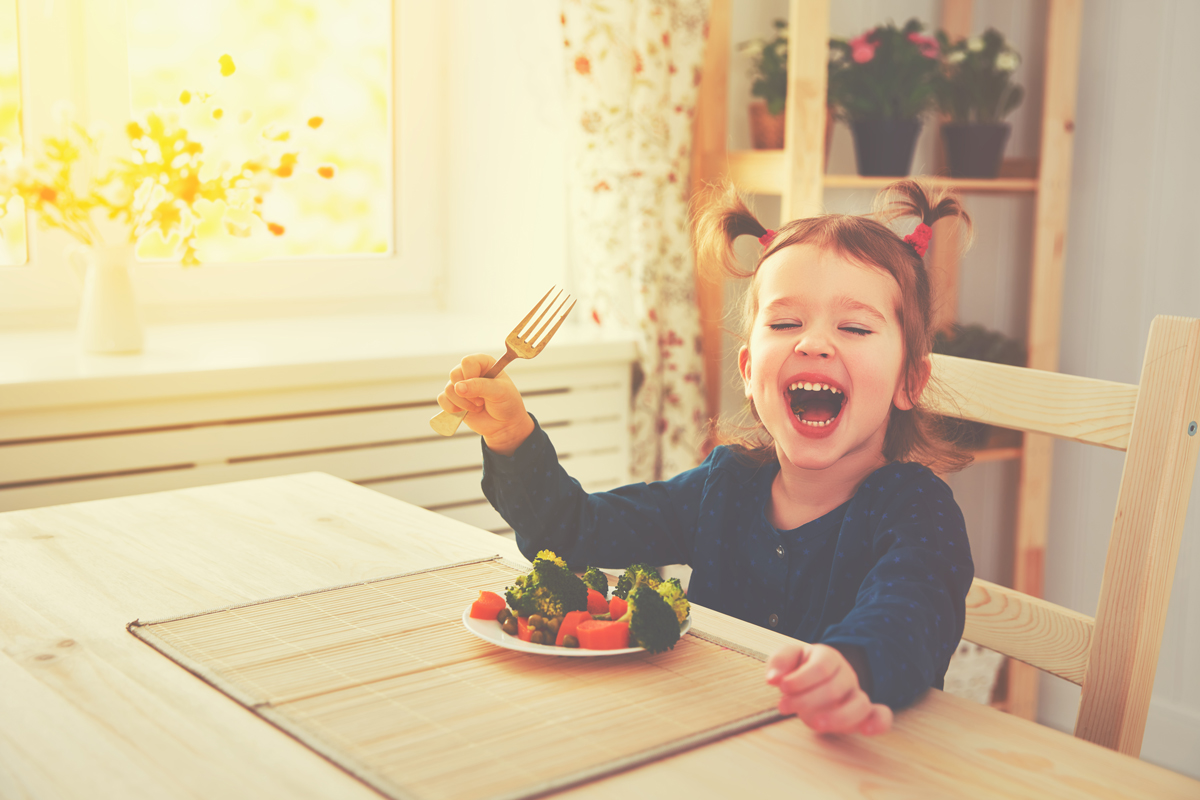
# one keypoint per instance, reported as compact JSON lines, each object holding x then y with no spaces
{"x":888,"y":571}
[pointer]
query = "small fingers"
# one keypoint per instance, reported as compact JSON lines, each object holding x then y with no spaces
{"x":786,"y":660}
{"x":823,"y":665}
{"x":878,"y":721}
{"x":843,"y":717}
{"x":822,"y":697}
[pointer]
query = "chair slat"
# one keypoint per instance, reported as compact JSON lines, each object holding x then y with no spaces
{"x":1067,"y":406}
{"x":1038,"y":632}
{"x":1147,"y":528}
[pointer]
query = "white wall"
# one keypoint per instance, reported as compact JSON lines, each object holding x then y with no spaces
{"x":1131,"y":254}
{"x":1129,"y":257}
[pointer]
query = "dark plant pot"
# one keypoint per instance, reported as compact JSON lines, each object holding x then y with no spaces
{"x":885,"y":146}
{"x":975,"y":149}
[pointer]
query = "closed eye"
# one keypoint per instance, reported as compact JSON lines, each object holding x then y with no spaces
{"x":783,"y":326}
{"x":858,"y":331}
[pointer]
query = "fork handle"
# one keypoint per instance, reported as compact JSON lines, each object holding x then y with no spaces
{"x":447,"y":422}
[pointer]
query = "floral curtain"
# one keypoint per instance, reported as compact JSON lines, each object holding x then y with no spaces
{"x":633,"y":70}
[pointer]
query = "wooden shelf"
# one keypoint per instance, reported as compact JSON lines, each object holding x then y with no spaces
{"x":762,"y":172}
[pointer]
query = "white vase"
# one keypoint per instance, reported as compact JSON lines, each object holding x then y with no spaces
{"x":108,"y":313}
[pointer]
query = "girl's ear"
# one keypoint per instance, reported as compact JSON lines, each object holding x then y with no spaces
{"x":744,"y":368}
{"x":908,"y":391}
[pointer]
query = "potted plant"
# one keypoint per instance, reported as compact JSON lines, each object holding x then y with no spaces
{"x":976,"y":91}
{"x":768,"y":59}
{"x":881,"y":82}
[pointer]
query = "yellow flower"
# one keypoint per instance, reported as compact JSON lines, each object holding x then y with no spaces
{"x":227,"y":67}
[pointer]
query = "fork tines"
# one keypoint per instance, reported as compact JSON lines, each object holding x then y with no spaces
{"x":535,"y":338}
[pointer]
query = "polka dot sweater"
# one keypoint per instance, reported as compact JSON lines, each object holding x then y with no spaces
{"x":888,"y":571}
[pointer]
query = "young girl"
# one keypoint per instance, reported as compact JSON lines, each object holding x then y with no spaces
{"x":828,"y":525}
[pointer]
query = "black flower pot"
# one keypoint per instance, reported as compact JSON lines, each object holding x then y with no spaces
{"x":885,"y":146}
{"x":975,"y":149}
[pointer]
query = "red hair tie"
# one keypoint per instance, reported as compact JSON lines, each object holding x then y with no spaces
{"x":919,"y":238}
{"x":766,"y":239}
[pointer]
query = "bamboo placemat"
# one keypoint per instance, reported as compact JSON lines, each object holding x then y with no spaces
{"x":383,"y":679}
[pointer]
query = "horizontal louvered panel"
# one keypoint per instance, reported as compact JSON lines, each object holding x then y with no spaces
{"x":605,"y":471}
{"x":21,"y":424}
{"x":572,"y":441}
{"x":202,"y":445}
{"x":482,"y":515}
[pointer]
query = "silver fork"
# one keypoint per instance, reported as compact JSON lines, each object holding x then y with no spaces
{"x":525,"y":341}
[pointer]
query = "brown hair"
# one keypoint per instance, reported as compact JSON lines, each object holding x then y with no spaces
{"x":914,"y":435}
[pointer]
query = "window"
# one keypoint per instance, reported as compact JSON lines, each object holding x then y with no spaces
{"x":12,"y":217}
{"x":354,"y":87}
{"x":281,"y":79}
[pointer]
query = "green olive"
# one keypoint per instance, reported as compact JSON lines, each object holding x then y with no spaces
{"x":570,"y":641}
{"x":536,"y":621}
{"x":552,"y":625}
{"x":537,"y":637}
{"x":509,"y":626}
{"x":502,"y":615}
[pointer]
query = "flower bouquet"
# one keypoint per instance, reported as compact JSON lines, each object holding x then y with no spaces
{"x":976,"y":91}
{"x":160,"y":194}
{"x":881,"y":82}
{"x":163,"y":189}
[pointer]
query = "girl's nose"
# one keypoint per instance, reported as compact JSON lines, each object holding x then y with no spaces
{"x":814,"y":343}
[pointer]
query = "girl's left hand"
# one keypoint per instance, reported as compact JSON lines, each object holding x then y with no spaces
{"x":817,"y":684}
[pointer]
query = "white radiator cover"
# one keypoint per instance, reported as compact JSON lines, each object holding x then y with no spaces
{"x":232,"y":401}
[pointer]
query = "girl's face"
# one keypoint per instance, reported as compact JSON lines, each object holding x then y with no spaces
{"x":824,"y":365}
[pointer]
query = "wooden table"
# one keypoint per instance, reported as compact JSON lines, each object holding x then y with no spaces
{"x":87,"y":710}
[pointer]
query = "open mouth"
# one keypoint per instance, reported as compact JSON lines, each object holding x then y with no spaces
{"x":816,"y":404}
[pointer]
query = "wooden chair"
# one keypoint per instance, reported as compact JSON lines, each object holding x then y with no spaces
{"x":1112,"y":656}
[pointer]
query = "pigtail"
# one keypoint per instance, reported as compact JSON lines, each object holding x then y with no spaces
{"x":927,"y":205}
{"x":720,"y":215}
{"x":918,"y":434}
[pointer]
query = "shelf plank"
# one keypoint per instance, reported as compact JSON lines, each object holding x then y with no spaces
{"x":763,"y":172}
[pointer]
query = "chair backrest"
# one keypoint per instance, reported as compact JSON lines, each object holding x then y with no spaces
{"x":1112,"y":656}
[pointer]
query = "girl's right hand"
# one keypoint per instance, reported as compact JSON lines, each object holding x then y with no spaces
{"x":493,"y":405}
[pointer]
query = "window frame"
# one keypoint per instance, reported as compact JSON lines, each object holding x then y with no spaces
{"x":75,"y":50}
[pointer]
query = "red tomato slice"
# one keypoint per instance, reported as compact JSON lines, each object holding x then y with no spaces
{"x":598,"y":634}
{"x":487,"y":606}
{"x":617,"y":607}
{"x":569,"y":624}
{"x":523,"y":630}
{"x":596,"y":603}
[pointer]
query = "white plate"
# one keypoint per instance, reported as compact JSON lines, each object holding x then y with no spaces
{"x":489,"y":631}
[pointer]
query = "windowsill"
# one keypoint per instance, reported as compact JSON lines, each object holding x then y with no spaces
{"x":45,"y":368}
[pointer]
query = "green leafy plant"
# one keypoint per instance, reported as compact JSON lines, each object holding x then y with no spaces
{"x":976,"y":80}
{"x":884,"y":73}
{"x":769,"y":67}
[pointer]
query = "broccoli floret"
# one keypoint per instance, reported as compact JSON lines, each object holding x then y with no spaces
{"x":549,"y":589}
{"x":520,"y":596}
{"x":651,"y":619}
{"x":549,"y":555}
{"x":634,"y":574}
{"x":671,"y":590}
{"x":596,"y":580}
